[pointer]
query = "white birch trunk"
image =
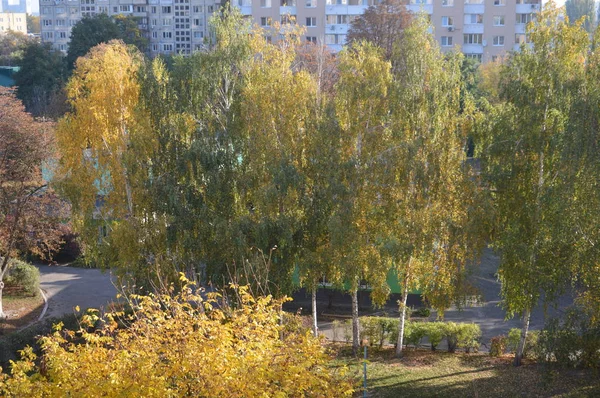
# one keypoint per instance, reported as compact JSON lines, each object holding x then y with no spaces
{"x":399,"y":346}
{"x":521,"y":346}
{"x":355,"y":324}
{"x":314,"y":310}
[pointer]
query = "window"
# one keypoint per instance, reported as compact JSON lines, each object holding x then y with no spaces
{"x":335,"y":39}
{"x":446,"y":41}
{"x":167,"y":35}
{"x":60,"y":22}
{"x":125,"y":8}
{"x":288,"y":3}
{"x":473,"y":1}
{"x":265,"y":21}
{"x":155,"y":47}
{"x":265,"y":3}
{"x":473,"y":19}
{"x":311,"y":39}
{"x":311,"y":21}
{"x":48,"y":35}
{"x":167,"y":22}
{"x":47,"y":22}
{"x":166,"y":9}
{"x":524,"y":18}
{"x":498,"y":20}
{"x":521,"y":38}
{"x":62,"y":35}
{"x":197,"y":9}
{"x":476,"y":57}
{"x":198,"y":35}
{"x":140,"y":9}
{"x":498,"y":41}
{"x":59,"y":10}
{"x":499,"y":2}
{"x":155,"y":35}
{"x":167,"y":47}
{"x":311,"y":3}
{"x":447,"y":3}
{"x":447,"y":21}
{"x":287,"y":19}
{"x":473,"y":38}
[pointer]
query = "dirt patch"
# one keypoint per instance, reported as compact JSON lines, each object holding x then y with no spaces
{"x":20,"y":312}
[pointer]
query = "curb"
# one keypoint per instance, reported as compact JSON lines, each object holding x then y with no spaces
{"x":45,"y":306}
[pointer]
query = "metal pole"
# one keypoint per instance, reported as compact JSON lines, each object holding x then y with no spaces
{"x":365,"y":373}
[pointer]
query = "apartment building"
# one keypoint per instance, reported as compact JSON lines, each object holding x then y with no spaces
{"x":482,"y":29}
{"x":17,"y":22}
{"x":173,"y":26}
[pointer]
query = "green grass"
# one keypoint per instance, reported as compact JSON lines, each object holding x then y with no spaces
{"x":423,"y":373}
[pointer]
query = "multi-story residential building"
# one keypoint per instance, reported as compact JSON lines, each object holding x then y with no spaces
{"x":17,"y":22}
{"x":18,"y":6}
{"x":173,"y":26}
{"x":482,"y":29}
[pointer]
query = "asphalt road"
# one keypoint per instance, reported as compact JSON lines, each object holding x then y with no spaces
{"x":67,"y":287}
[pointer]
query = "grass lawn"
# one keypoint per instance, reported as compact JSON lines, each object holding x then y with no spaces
{"x":422,"y":373}
{"x":21,"y":311}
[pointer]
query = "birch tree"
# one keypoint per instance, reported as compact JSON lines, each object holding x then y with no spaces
{"x":362,"y":108}
{"x":528,"y":164}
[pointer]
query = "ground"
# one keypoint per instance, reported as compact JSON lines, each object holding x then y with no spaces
{"x":422,"y":373}
{"x":20,"y":311}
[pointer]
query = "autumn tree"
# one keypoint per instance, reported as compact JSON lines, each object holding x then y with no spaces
{"x":529,"y":163}
{"x":103,"y":153}
{"x":362,"y":108}
{"x":382,"y":24}
{"x":430,"y":199}
{"x":29,"y":213}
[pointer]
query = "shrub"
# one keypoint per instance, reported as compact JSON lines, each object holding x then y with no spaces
{"x":451,"y":333}
{"x":422,"y":312}
{"x":369,"y":330}
{"x":414,"y":332}
{"x":378,"y":329}
{"x":468,"y":335}
{"x":166,"y":348}
{"x":498,"y":345}
{"x":24,"y":276}
{"x":347,"y":326}
{"x":335,"y":329}
{"x":574,"y":342}
{"x":514,"y":336}
{"x":531,"y":345}
{"x":435,"y":332}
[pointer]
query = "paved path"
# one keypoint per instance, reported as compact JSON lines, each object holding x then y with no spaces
{"x":67,"y":287}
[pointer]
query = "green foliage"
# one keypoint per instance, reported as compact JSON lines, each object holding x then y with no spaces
{"x":12,"y":46}
{"x":582,"y":11}
{"x":422,"y":312}
{"x":40,"y":78}
{"x":414,"y":332}
{"x":435,"y":332}
{"x":451,"y":333}
{"x":572,"y":342}
{"x":498,"y":345}
{"x":514,"y":336}
{"x":158,"y":353}
{"x":100,"y":28}
{"x":24,"y":276}
{"x":379,"y":330}
{"x":468,"y":336}
{"x":33,"y":24}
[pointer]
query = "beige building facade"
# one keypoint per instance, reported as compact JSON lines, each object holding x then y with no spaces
{"x":16,"y":22}
{"x":481,"y":29}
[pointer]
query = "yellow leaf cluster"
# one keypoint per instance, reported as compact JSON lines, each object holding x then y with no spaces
{"x":183,"y":345}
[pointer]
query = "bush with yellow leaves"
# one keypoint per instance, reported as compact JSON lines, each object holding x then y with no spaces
{"x":180,"y":345}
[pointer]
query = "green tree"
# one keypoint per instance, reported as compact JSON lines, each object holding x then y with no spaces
{"x":100,"y":28}
{"x":12,"y":45}
{"x":40,"y":78}
{"x":528,"y":162}
{"x":578,"y":9}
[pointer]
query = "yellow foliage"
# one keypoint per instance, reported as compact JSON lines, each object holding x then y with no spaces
{"x":181,"y":346}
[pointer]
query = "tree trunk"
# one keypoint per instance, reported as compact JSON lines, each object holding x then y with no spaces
{"x":402,"y":323}
{"x":355,"y":324}
{"x":314,"y":310}
{"x":2,"y":316}
{"x":521,"y":346}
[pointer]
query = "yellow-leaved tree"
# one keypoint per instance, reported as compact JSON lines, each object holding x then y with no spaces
{"x":181,"y":345}
{"x":103,"y":154}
